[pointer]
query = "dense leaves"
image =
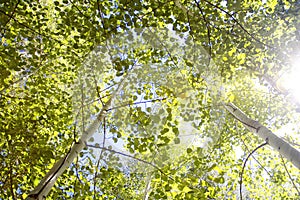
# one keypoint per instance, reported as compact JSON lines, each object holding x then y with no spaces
{"x":167,"y":135}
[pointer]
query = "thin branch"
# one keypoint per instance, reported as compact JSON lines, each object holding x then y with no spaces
{"x":74,"y":129}
{"x":136,"y":103}
{"x":97,"y":88}
{"x":100,"y":156}
{"x":92,"y":101}
{"x":77,"y":172}
{"x":29,"y":28}
{"x":38,"y":33}
{"x":12,"y":14}
{"x":101,"y":14}
{"x":104,"y":136}
{"x":244,"y":165}
{"x":238,"y":23}
{"x":129,"y":156}
{"x":161,"y":43}
{"x":208,"y":30}
{"x":189,"y":22}
{"x":88,"y":18}
{"x":109,"y":87}
{"x":244,"y":143}
{"x":76,"y":167}
{"x":167,"y":50}
{"x":256,"y":159}
{"x":287,"y":171}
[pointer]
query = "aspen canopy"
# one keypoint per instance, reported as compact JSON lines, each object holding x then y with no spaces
{"x":169,"y":99}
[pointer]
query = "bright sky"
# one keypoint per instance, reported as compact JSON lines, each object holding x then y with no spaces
{"x":290,"y":81}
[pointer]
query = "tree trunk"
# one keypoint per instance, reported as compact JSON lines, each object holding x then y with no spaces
{"x":284,"y":148}
{"x":41,"y":191}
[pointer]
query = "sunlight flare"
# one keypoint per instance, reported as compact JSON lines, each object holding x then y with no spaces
{"x":290,"y":81}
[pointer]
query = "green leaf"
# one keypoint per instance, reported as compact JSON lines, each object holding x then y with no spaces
{"x":177,"y":140}
{"x":189,"y":150}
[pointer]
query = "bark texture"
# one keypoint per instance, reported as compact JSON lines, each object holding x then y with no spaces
{"x":44,"y":187}
{"x":284,"y":148}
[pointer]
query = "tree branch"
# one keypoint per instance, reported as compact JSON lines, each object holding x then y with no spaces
{"x":207,"y":28}
{"x":244,"y":165}
{"x":287,"y":171}
{"x":281,"y":146}
{"x":129,"y":156}
{"x":12,"y":14}
{"x":238,"y":23}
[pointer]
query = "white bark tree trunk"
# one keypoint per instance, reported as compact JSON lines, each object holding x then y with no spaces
{"x":148,"y":187}
{"x":44,"y":187}
{"x":284,"y":148}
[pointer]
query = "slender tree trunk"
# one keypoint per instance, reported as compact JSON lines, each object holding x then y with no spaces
{"x":41,"y":191}
{"x":284,"y":148}
{"x":148,"y":187}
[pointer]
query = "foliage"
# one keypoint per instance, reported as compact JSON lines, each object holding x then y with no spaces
{"x":177,"y":61}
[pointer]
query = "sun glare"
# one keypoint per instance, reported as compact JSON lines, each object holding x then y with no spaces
{"x":290,"y":81}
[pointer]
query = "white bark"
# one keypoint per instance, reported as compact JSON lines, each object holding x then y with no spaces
{"x":284,"y":148}
{"x":148,"y":187}
{"x":44,"y":187}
